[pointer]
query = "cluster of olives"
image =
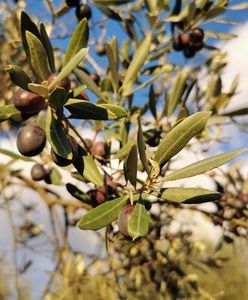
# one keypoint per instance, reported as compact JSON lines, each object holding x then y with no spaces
{"x":82,"y":11}
{"x":189,"y":43}
{"x":31,"y":139}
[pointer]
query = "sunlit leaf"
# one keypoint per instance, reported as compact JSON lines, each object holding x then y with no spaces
{"x":179,"y":136}
{"x":204,"y":165}
{"x":102,"y":215}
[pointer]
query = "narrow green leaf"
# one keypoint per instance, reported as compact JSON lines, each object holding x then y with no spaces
{"x":155,"y":168}
{"x":115,"y":49}
{"x":18,"y":76}
{"x":113,"y":68}
{"x":27,"y":25}
{"x":78,"y":40}
{"x":137,"y":62}
{"x":112,"y":2}
{"x":15,"y":156}
{"x":85,"y":79}
{"x":152,"y":102}
{"x":57,"y":98}
{"x":57,"y":137}
{"x":131,"y":165}
{"x":138,"y":223}
{"x":179,"y":136}
{"x":103,"y":214}
{"x":219,"y":35}
{"x":125,"y":150}
{"x":38,"y":89}
{"x":81,"y":109}
{"x":69,"y":67}
{"x":141,"y":147}
{"x":38,"y":57}
{"x":9,"y":111}
{"x":55,"y":177}
{"x":238,"y":112}
{"x":77,"y":193}
{"x":86,"y":167}
{"x":204,"y":165}
{"x":240,"y":6}
{"x":189,"y":195}
{"x":109,"y":12}
{"x":48,"y":47}
{"x":177,"y":90}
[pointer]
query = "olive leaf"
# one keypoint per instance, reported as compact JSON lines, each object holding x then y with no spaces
{"x":69,"y":67}
{"x":204,"y":165}
{"x":86,"y":167}
{"x":27,"y":25}
{"x":189,"y":195}
{"x":112,"y":2}
{"x":38,"y":57}
{"x":113,"y":68}
{"x":78,"y":40}
{"x":15,"y":155}
{"x":38,"y":89}
{"x":138,"y":223}
{"x":219,"y":35}
{"x":177,"y":90}
{"x":81,"y":109}
{"x":137,"y":62}
{"x":102,"y":215}
{"x":141,"y":147}
{"x":179,"y":136}
{"x":152,"y":102}
{"x":48,"y":47}
{"x":57,"y":137}
{"x":131,"y":165}
{"x":123,"y":152}
{"x":85,"y":79}
{"x":9,"y":111}
{"x":109,"y":12}
{"x":55,"y":177}
{"x":18,"y":76}
{"x":57,"y":98}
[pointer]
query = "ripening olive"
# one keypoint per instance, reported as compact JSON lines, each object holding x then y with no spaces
{"x":64,"y":83}
{"x":61,"y":161}
{"x":99,"y":149}
{"x":124,"y":218}
{"x":100,"y":49}
{"x":177,"y":43}
{"x":196,"y":35}
{"x":27,"y":102}
{"x":72,"y":3}
{"x":38,"y":172}
{"x":31,"y":140}
{"x":185,"y":39}
{"x":83,"y":11}
{"x":189,"y":51}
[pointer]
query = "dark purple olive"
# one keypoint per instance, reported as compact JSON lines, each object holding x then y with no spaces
{"x":177,"y":43}
{"x":61,"y":161}
{"x":123,"y":219}
{"x":38,"y":172}
{"x":198,"y":46}
{"x":196,"y":35}
{"x":31,"y":140}
{"x":64,"y":83}
{"x":27,"y":102}
{"x":83,"y":11}
{"x":189,"y":51}
{"x":72,"y":3}
{"x":100,"y":49}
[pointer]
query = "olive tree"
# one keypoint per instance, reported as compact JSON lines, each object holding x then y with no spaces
{"x":142,"y":110}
